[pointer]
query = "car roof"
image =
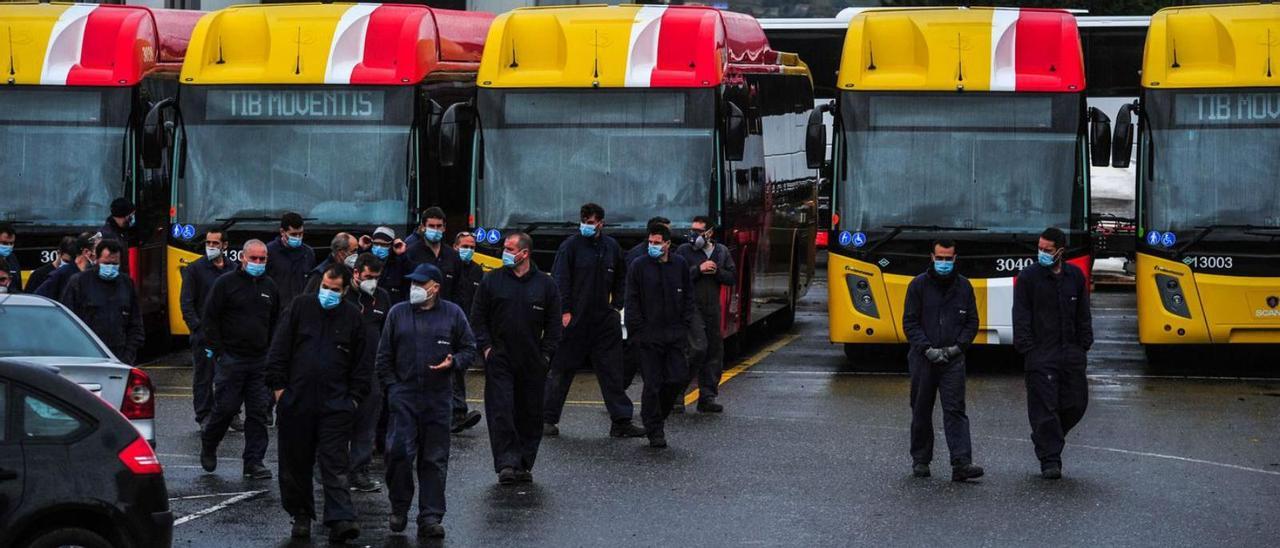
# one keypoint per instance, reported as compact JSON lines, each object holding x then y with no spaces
{"x":25,"y":299}
{"x":46,"y":379}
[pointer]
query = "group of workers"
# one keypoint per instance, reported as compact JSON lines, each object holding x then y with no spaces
{"x":385,"y":328}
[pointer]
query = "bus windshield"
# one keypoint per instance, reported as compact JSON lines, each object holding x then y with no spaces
{"x":336,"y":154}
{"x":1213,"y":158}
{"x":637,"y":153}
{"x":61,"y":150}
{"x":1002,"y":162}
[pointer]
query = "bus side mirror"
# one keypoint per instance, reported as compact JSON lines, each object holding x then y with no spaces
{"x":735,"y":134}
{"x":1099,"y":138}
{"x":153,"y":135}
{"x":1122,"y":144}
{"x":452,"y":132}
{"x":815,"y":140}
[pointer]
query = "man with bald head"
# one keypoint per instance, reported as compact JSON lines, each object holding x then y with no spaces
{"x":239,"y":318}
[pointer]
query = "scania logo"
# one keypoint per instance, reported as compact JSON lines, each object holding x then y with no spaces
{"x":1273,"y":301}
{"x":884,"y":263}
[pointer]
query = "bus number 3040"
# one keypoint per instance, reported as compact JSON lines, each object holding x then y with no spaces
{"x":1012,"y":264}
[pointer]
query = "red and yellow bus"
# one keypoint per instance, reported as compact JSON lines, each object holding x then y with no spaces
{"x":651,"y":110}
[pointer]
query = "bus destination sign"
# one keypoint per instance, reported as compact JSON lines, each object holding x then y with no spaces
{"x":1238,"y":108}
{"x":295,"y":104}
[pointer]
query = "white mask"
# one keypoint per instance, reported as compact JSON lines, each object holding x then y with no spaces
{"x":417,"y":295}
{"x":213,"y":253}
{"x":350,"y":261}
{"x":368,"y":286}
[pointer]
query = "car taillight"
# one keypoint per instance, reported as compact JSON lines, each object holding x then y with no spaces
{"x":139,"y":401}
{"x":140,"y":459}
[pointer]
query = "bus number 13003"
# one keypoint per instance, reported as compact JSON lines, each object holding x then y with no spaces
{"x":1013,"y":264}
{"x":1216,"y":263}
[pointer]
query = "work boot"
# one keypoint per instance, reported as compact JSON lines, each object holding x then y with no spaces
{"x":625,"y":429}
{"x":507,"y":476}
{"x":464,"y":421}
{"x":709,"y":405}
{"x":343,"y":531}
{"x":360,"y":481}
{"x":208,"y":459}
{"x":677,"y":409}
{"x":237,"y":424}
{"x":301,"y":527}
{"x":398,"y":522}
{"x":256,"y":471}
{"x":550,"y":430}
{"x":920,"y":470}
{"x":430,"y":528}
{"x":524,"y":476}
{"x":1051,"y":472}
{"x":658,"y":439}
{"x":964,"y":472}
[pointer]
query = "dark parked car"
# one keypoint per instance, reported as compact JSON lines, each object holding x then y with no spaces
{"x":73,"y":470}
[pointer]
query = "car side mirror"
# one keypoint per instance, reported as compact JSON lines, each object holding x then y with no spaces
{"x":452,"y":130}
{"x":815,"y":139}
{"x":1122,"y":144}
{"x":153,"y":135}
{"x":1099,"y":138}
{"x":735,"y":134}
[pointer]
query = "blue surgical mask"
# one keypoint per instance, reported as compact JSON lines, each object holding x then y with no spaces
{"x":1046,"y":259}
{"x":108,"y":271}
{"x":294,"y":241}
{"x":432,"y":235}
{"x":508,"y":258}
{"x":655,"y":250}
{"x":329,"y":298}
{"x":381,"y":251}
{"x":943,"y":267}
{"x":587,"y":230}
{"x":6,"y":250}
{"x":466,"y":253}
{"x":255,"y":269}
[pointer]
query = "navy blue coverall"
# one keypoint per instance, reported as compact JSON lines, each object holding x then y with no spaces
{"x":660,"y":314}
{"x":517,"y":321}
{"x":590,"y":274}
{"x":420,"y":400}
{"x":197,"y":280}
{"x":53,"y":286}
{"x":1053,"y":329}
{"x":448,"y":261}
{"x":939,"y":312}
{"x":288,"y":267}
{"x":239,"y":319}
{"x":110,"y":309}
{"x":15,"y":273}
{"x":463,"y":295}
{"x":316,"y":357}
{"x":707,"y":363}
{"x":373,"y":316}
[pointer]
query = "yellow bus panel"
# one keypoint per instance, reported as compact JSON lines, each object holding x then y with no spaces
{"x":1213,"y":46}
{"x":177,"y":260}
{"x":1223,"y":309}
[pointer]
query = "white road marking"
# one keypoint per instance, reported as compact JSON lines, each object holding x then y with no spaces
{"x":220,"y":506}
{"x":210,"y":495}
{"x":820,"y":373}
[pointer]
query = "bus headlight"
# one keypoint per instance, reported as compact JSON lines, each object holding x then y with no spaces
{"x":860,"y":294}
{"x":1171,"y":295}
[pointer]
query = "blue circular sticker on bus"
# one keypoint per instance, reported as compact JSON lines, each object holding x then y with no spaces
{"x":480,"y":234}
{"x":1153,"y":238}
{"x":177,"y":230}
{"x":859,"y":239}
{"x":188,"y":232}
{"x":846,"y":238}
{"x":1168,"y":239}
{"x":494,"y":236}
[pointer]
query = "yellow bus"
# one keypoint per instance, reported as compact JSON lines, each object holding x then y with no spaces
{"x":1207,"y":127}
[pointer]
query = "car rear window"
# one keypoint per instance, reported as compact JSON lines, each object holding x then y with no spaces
{"x":44,"y":420}
{"x":44,"y":331}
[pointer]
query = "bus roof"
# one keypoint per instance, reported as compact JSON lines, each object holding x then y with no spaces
{"x":374,"y":44}
{"x":626,"y":46}
{"x":1213,"y":46}
{"x":971,"y":49}
{"x":90,"y":44}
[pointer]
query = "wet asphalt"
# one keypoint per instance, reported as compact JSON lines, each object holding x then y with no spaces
{"x":813,"y":451}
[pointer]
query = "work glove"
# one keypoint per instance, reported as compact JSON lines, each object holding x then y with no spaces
{"x":953,"y":352}
{"x":208,"y":353}
{"x":936,"y":355}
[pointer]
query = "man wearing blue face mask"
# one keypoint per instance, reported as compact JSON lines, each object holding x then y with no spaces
{"x":105,"y":299}
{"x":468,"y":281}
{"x":317,"y":374}
{"x":427,"y":246}
{"x":590,"y":272}
{"x":940,"y":318}
{"x":9,"y":239}
{"x":197,"y":281}
{"x":1053,"y":329}
{"x":290,"y":259}
{"x":121,"y":221}
{"x":396,"y":264}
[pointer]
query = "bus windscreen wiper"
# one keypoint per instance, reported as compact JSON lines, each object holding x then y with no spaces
{"x":529,"y":228}
{"x":1253,"y":230}
{"x":899,"y":229}
{"x":231,"y":221}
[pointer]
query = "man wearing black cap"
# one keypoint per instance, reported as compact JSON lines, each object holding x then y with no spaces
{"x":422,"y":341}
{"x":121,"y":220}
